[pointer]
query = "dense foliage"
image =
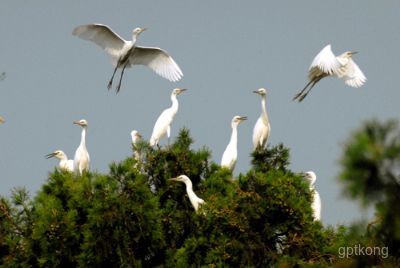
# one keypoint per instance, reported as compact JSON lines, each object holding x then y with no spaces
{"x":371,"y":173}
{"x":136,"y":216}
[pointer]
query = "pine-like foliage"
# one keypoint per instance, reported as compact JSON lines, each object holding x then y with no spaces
{"x":135,"y":216}
{"x":371,"y":173}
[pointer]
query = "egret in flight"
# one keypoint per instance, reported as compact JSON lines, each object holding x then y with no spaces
{"x":64,"y":163}
{"x":162,"y":126}
{"x":194,"y":199}
{"x":125,"y":53}
{"x":327,"y":64}
{"x":135,"y":138}
{"x":262,"y":128}
{"x":81,"y":159}
{"x":316,"y":203}
{"x":230,"y":155}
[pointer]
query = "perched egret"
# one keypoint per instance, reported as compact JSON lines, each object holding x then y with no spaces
{"x":316,"y":204}
{"x":162,"y":126}
{"x":64,"y":164}
{"x":262,"y":128}
{"x":125,"y":53}
{"x":135,"y":138}
{"x":2,"y":120}
{"x":81,"y":159}
{"x":230,"y":155}
{"x":194,"y":199}
{"x":327,"y":64}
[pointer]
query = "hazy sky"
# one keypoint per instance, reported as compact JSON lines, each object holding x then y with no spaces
{"x":226,"y":49}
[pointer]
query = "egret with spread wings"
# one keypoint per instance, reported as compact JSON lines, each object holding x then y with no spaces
{"x":125,"y":53}
{"x":327,"y":64}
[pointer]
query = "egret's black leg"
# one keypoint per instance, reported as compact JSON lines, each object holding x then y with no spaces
{"x":112,"y":78}
{"x":313,"y":84}
{"x":120,"y":79}
{"x":298,"y":95}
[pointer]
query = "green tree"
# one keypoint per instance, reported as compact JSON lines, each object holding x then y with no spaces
{"x":16,"y":223}
{"x":135,"y":216}
{"x":371,"y":174}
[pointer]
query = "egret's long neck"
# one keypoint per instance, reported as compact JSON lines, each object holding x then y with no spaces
{"x":264,"y":109}
{"x":233,"y":141}
{"x":192,"y":196}
{"x":134,"y":38}
{"x":83,"y":137}
{"x":189,"y":186}
{"x":175,"y":104}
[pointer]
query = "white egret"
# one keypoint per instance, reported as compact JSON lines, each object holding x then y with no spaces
{"x":125,"y":53}
{"x":316,"y":204}
{"x":194,"y":199}
{"x":262,"y":128}
{"x":135,"y":138}
{"x":82,"y":159}
{"x":327,"y":64}
{"x":162,"y":126}
{"x":64,"y":163}
{"x":230,"y":154}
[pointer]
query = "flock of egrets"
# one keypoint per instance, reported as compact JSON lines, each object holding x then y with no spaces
{"x":125,"y":53}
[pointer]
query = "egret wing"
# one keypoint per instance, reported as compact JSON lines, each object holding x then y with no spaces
{"x":325,"y":61}
{"x":158,"y":60}
{"x":353,"y":77}
{"x":102,"y":35}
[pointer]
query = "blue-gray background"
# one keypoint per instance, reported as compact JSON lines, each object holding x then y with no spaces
{"x":226,"y":50}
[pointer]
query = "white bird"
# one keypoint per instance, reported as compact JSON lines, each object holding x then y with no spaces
{"x":82,"y":159}
{"x":262,"y":128}
{"x":230,"y":154}
{"x":125,"y":53}
{"x":316,"y":203}
{"x":162,"y":126}
{"x":64,"y":163}
{"x":135,"y":138}
{"x":327,"y":64}
{"x":194,"y":199}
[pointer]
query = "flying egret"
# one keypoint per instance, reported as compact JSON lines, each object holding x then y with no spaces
{"x":64,"y":164}
{"x":162,"y":126}
{"x":194,"y":199}
{"x":135,"y":138}
{"x":262,"y":128}
{"x":316,"y":203}
{"x":81,"y":159}
{"x":327,"y":64}
{"x":230,"y":155}
{"x":125,"y":53}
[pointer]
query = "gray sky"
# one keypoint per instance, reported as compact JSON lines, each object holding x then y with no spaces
{"x":226,"y":50}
